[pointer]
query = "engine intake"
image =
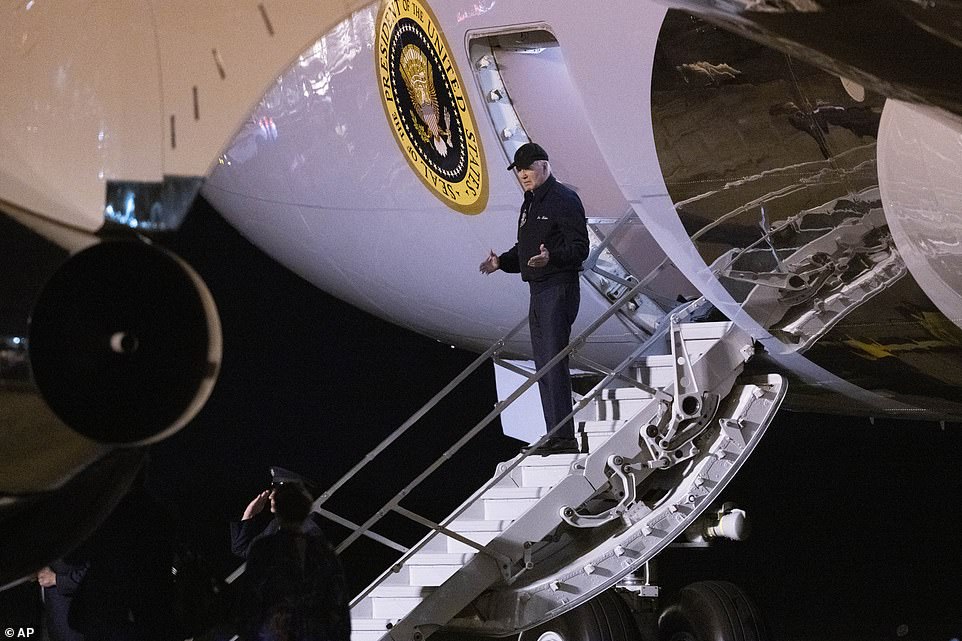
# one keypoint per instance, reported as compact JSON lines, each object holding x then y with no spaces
{"x":125,"y":343}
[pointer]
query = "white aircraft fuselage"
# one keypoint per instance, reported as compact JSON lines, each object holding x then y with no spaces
{"x":364,"y":145}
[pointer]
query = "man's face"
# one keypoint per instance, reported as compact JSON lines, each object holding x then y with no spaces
{"x":534,"y":176}
{"x":273,"y":492}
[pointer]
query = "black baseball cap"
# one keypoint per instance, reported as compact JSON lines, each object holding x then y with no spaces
{"x":527,"y":154}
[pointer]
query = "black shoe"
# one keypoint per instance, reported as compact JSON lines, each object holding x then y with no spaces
{"x":554,"y":445}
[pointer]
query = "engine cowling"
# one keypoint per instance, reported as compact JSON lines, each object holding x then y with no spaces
{"x":120,"y":348}
{"x":125,"y":343}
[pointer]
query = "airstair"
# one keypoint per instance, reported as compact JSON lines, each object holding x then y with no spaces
{"x":665,"y":430}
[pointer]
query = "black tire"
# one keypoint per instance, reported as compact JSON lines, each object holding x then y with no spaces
{"x":712,"y":611}
{"x":604,"y":618}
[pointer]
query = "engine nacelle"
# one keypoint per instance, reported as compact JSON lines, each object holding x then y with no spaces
{"x":121,"y":348}
{"x":125,"y":343}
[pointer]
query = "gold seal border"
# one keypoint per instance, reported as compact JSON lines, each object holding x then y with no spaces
{"x":382,"y":30}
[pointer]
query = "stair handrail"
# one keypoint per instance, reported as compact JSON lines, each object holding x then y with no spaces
{"x":495,"y":347}
{"x":684,"y":310}
{"x":500,"y":407}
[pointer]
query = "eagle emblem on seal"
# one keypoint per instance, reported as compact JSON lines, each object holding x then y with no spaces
{"x":419,"y":80}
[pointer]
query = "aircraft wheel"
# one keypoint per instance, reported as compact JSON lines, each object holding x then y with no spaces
{"x":712,"y":611}
{"x":604,"y":618}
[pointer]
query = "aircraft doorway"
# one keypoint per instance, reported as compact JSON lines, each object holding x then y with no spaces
{"x":531,"y":96}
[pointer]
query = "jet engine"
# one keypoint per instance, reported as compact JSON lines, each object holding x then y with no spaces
{"x":119,"y":347}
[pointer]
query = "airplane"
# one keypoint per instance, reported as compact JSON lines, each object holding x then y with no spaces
{"x":791,"y":210}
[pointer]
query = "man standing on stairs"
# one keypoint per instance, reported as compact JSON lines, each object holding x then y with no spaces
{"x":552,"y":244}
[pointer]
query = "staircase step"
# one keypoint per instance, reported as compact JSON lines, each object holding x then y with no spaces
{"x":502,"y":503}
{"x":481,"y":538}
{"x":597,"y":439}
{"x":550,"y":461}
{"x":601,"y":427}
{"x":618,"y":403}
{"x":400,"y":591}
{"x":655,"y":371}
{"x":479,"y":531}
{"x":396,"y":602}
{"x":370,"y":624}
{"x":434,"y":569}
{"x":544,"y":475}
{"x":599,"y":431}
{"x":368,"y":629}
{"x":541,"y":471}
{"x":627,"y":393}
{"x":467,"y":526}
{"x":513,"y":493}
{"x":443,"y":544}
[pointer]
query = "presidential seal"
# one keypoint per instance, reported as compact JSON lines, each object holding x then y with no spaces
{"x":424,"y":101}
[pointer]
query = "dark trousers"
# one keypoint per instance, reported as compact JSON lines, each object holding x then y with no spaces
{"x":551,"y":312}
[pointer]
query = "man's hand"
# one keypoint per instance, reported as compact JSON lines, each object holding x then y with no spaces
{"x":47,"y":578}
{"x":541,"y":260}
{"x":254,"y":507}
{"x":491,"y":264}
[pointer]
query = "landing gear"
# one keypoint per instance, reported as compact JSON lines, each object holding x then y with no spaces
{"x":604,"y":618}
{"x":712,"y":611}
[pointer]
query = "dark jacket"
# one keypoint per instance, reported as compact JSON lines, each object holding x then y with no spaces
{"x":58,"y":599}
{"x":551,"y":215}
{"x":243,"y":534}
{"x":294,"y":589}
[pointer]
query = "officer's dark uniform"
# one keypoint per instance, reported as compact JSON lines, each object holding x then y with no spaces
{"x":294,"y":586}
{"x":551,"y":215}
{"x":244,"y":533}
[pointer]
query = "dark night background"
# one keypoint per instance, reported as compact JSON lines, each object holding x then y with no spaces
{"x":855,"y":528}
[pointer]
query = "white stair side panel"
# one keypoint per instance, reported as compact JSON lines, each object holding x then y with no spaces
{"x":524,"y":418}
